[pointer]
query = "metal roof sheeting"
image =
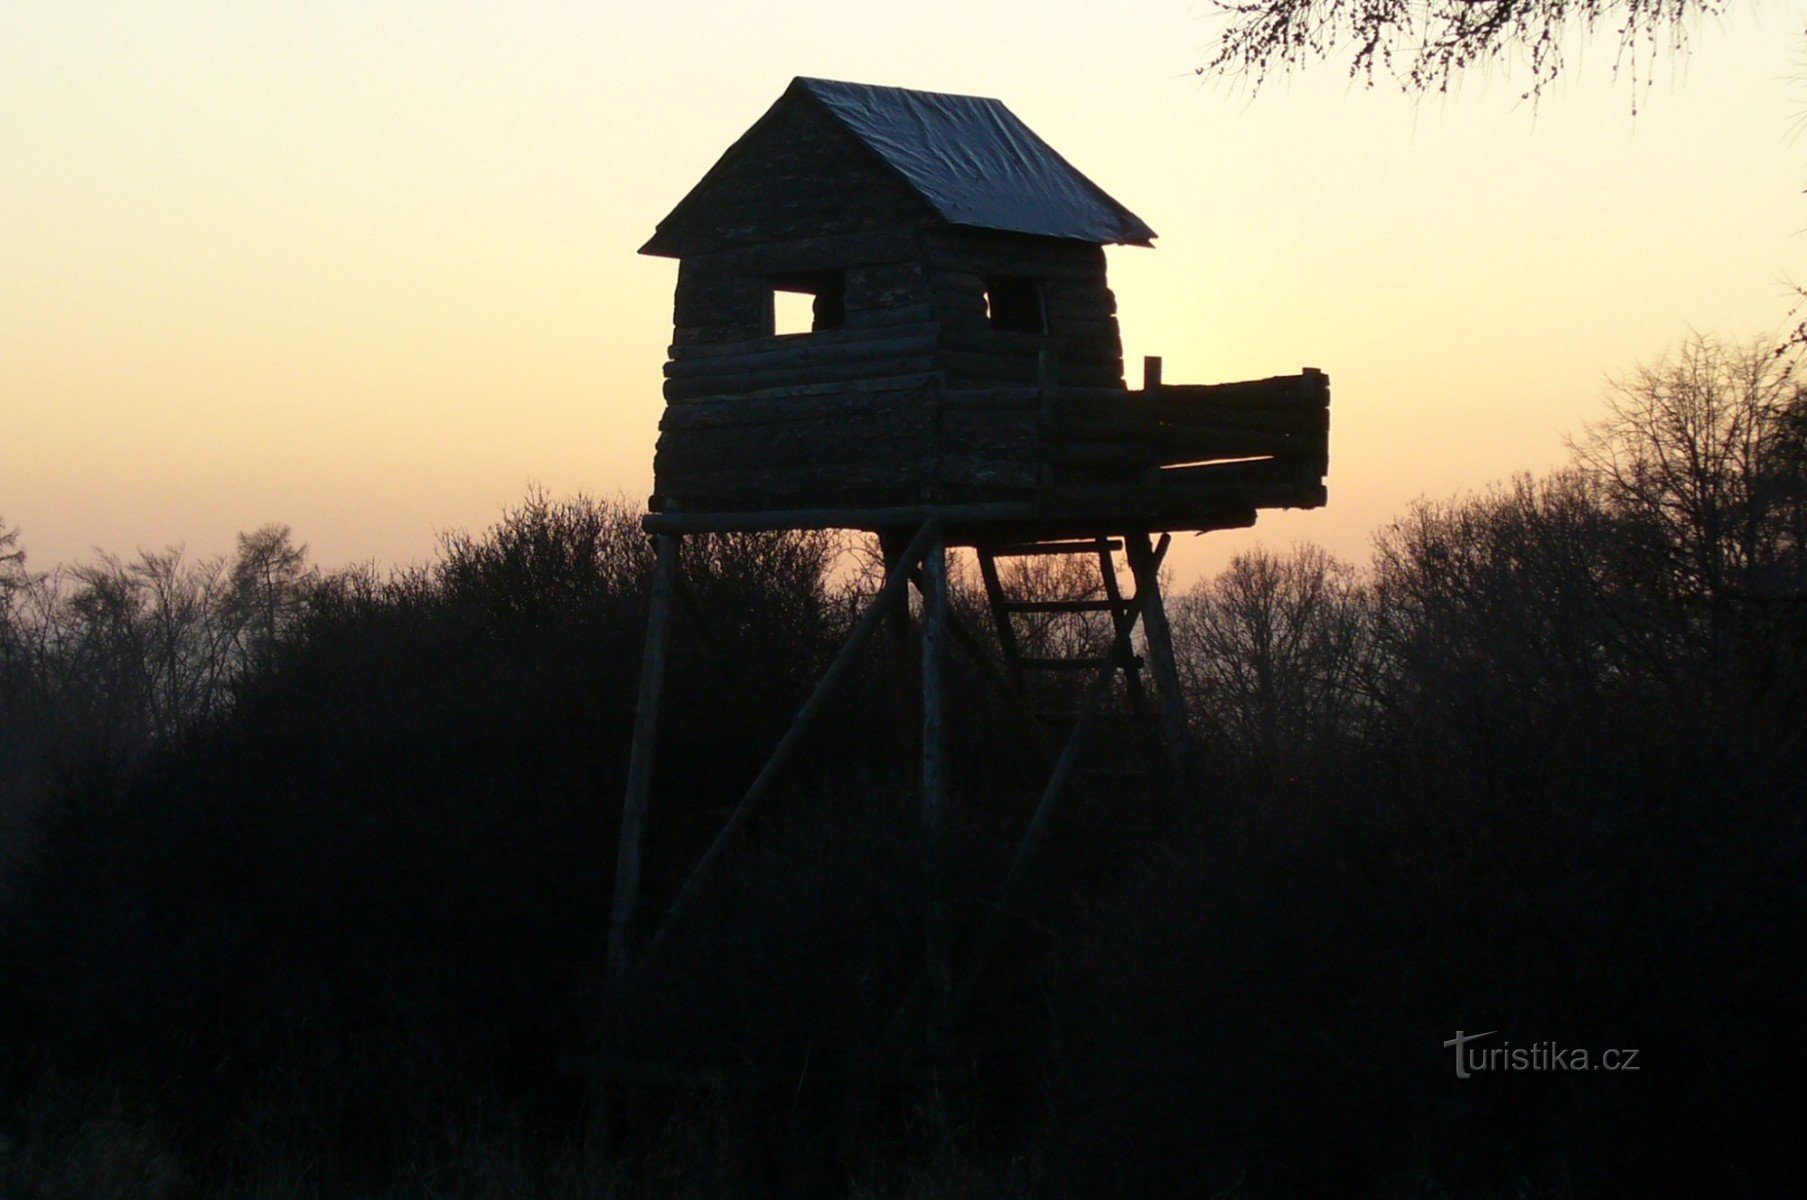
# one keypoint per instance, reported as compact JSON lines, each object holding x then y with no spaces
{"x":976,"y":163}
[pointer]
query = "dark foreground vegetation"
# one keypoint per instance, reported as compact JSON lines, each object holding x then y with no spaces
{"x":304,"y":877}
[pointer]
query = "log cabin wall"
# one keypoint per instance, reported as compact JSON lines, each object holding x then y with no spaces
{"x":1066,"y":282}
{"x":999,"y":299}
{"x":926,"y":389}
{"x":837,"y":416}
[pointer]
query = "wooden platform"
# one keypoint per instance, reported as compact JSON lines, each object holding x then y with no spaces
{"x":1039,"y":461}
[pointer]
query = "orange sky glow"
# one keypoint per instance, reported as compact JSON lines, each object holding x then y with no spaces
{"x":370,"y":270}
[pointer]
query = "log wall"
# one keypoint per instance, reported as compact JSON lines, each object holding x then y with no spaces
{"x":1081,"y":311}
{"x":917,"y":399}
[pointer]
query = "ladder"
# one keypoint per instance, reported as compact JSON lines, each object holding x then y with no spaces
{"x":1064,"y":647}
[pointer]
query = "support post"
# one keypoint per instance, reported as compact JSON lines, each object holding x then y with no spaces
{"x":640,"y":760}
{"x":934,"y":771}
{"x":1145,"y":565}
{"x":901,"y":665}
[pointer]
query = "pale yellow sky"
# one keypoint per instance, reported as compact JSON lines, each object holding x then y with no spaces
{"x":369,"y":269}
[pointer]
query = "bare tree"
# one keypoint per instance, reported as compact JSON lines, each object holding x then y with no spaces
{"x":1426,"y":45}
{"x":1272,"y":649}
{"x":267,"y":592}
{"x":1702,"y":453}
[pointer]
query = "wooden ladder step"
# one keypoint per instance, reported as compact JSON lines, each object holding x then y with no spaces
{"x":1026,"y":549}
{"x":1062,"y":606}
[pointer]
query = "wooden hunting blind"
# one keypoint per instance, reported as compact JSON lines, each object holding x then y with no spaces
{"x":963,"y":352}
{"x":954,"y":377}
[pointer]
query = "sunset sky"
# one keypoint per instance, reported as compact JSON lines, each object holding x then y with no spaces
{"x":370,"y":269}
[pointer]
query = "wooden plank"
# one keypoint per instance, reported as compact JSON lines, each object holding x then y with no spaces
{"x":731,"y":412}
{"x":799,"y":446}
{"x":746,"y":382}
{"x":829,"y":337}
{"x":1068,"y":407}
{"x":804,"y":350}
{"x":1258,"y":471}
{"x":1183,"y":444}
{"x":1279,"y":391}
{"x":969,"y":478}
{"x":1074,"y":346}
{"x":906,"y":381}
{"x":1029,"y":549}
{"x":887,"y":317}
{"x":1123,"y":455}
{"x":988,"y":521}
{"x":751,"y":324}
{"x":893,"y":475}
{"x":987,"y":368}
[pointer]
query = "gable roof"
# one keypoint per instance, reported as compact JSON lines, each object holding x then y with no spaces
{"x":969,"y":158}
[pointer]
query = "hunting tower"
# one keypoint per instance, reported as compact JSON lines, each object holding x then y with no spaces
{"x":892,"y":315}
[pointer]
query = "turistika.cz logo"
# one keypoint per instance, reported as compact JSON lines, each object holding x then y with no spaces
{"x":1538,"y":1056}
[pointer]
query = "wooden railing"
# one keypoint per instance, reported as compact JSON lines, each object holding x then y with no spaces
{"x":1270,"y":435}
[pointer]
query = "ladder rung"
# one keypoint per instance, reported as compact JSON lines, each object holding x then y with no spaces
{"x":1063,"y":606}
{"x":1070,"y":664}
{"x":1025,"y":549}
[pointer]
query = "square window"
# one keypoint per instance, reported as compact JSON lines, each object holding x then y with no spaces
{"x":809,"y":302}
{"x":1014,"y":304}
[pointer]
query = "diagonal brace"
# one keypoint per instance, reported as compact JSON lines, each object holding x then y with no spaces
{"x":889,"y":594}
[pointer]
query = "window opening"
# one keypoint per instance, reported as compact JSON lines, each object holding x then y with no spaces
{"x":809,"y":302}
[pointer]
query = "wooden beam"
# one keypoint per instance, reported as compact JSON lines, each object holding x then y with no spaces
{"x":934,"y":768}
{"x":1107,"y":568}
{"x":1000,"y":618}
{"x":971,"y":524}
{"x":1146,"y":566}
{"x":640,"y":760}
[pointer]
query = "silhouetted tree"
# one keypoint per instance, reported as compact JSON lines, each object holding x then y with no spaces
{"x":1700,"y":454}
{"x":1274,"y":650}
{"x":1425,"y":46}
{"x":267,"y":591}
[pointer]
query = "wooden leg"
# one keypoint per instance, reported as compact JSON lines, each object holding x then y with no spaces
{"x":633,"y":815}
{"x":900,"y":663}
{"x":934,"y":760}
{"x":640,"y":760}
{"x":1174,"y":726}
